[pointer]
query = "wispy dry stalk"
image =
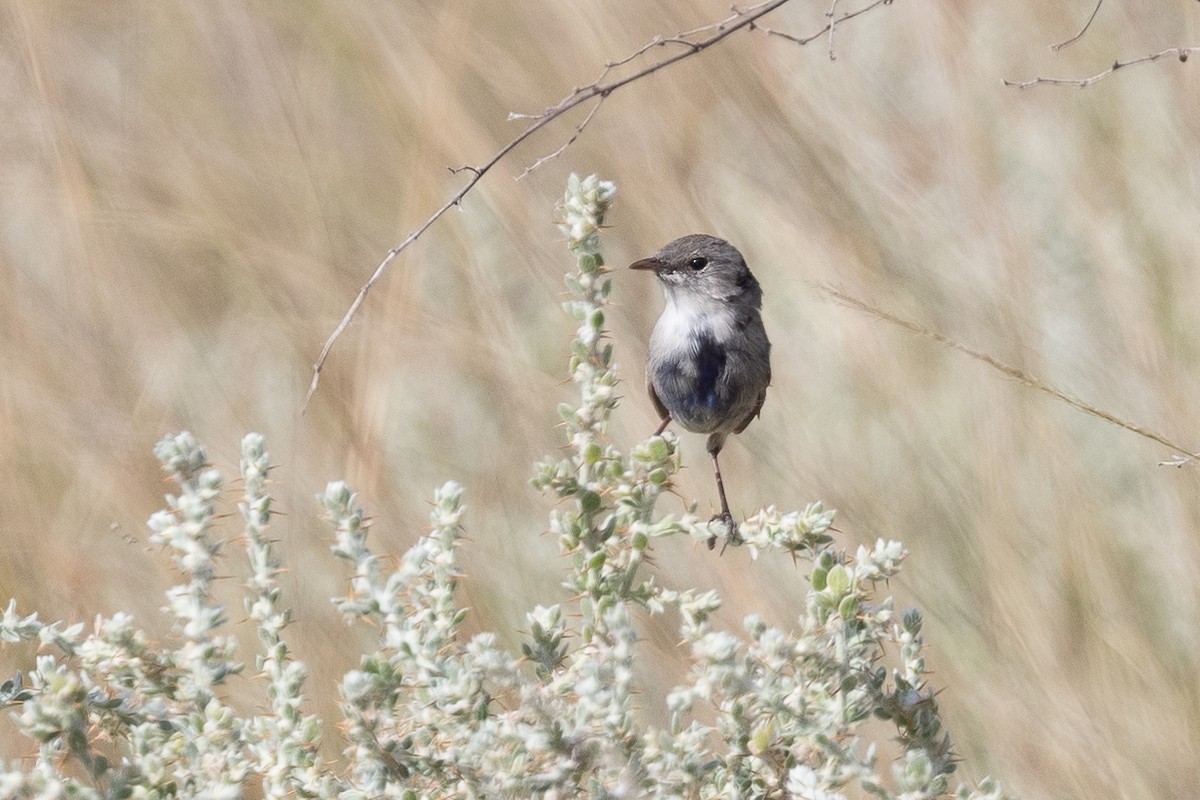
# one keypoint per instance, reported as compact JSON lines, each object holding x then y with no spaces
{"x":1008,"y":370}
{"x":1082,"y":31}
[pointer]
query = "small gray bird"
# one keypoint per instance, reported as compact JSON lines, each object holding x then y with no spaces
{"x":709,"y":361}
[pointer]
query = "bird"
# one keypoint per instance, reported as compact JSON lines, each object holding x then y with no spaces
{"x":708,"y":365}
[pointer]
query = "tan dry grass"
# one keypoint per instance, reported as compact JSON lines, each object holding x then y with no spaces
{"x":190,"y":194}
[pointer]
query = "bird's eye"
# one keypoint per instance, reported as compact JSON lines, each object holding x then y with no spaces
{"x":698,"y":263}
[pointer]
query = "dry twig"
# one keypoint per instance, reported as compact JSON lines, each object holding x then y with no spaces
{"x":578,"y":131}
{"x":1181,"y":52}
{"x":829,"y":26}
{"x":832,"y":14}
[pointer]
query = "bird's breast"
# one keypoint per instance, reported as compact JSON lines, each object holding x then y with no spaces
{"x":689,"y":365}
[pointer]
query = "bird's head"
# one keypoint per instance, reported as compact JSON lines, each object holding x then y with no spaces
{"x":706,"y":268}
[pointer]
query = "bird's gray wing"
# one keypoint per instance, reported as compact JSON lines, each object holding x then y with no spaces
{"x":658,"y":404}
{"x":762,"y":396}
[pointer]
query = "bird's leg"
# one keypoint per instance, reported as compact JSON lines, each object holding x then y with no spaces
{"x":731,"y":534}
{"x":666,"y":421}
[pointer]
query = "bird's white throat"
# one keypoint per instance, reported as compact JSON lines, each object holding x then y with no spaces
{"x":688,"y":313}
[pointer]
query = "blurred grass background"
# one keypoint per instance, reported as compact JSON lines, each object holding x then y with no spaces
{"x":191,"y":193}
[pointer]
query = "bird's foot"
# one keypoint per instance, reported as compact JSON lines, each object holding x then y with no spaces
{"x":731,"y":531}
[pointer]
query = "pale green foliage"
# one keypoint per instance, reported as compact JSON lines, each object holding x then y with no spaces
{"x":431,"y":713}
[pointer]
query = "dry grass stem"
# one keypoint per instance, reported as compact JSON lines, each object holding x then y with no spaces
{"x":1008,"y":370}
{"x":1082,"y":31}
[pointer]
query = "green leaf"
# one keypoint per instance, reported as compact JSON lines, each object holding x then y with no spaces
{"x":820,"y":579}
{"x":567,"y":412}
{"x":589,"y":502}
{"x":838,"y":580}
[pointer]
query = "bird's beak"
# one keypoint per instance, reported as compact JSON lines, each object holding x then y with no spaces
{"x":647,"y":263}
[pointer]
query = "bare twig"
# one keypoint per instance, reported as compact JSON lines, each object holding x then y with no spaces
{"x":1181,"y":52}
{"x":1011,"y":372}
{"x":578,"y":130}
{"x":829,"y":26}
{"x":657,"y":41}
{"x":1082,"y":31}
{"x":832,"y":14}
{"x":600,"y":89}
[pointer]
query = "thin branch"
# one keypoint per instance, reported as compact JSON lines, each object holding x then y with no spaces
{"x":1082,"y":31}
{"x":1181,"y":52}
{"x":735,"y":13}
{"x":832,"y":14}
{"x":829,"y":26}
{"x":578,"y":131}
{"x":1010,"y":371}
{"x":692,"y":47}
{"x":657,"y":41}
{"x":599,"y":89}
